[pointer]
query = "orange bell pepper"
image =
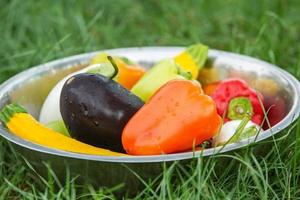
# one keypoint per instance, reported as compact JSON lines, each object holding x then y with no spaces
{"x":129,"y":72}
{"x":178,"y":117}
{"x":210,"y":88}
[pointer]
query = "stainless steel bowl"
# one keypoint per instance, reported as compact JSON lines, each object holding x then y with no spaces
{"x":30,"y":88}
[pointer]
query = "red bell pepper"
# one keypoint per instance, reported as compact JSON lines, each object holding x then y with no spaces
{"x":234,"y":98}
{"x":178,"y":117}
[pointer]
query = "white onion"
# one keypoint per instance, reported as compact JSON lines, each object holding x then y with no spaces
{"x":228,"y":130}
{"x":50,"y":111}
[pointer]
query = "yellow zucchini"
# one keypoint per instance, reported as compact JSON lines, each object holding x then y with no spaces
{"x":193,"y":58}
{"x":22,"y":124}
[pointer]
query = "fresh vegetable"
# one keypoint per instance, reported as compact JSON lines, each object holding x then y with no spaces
{"x":19,"y":122}
{"x":276,"y":110}
{"x":50,"y":112}
{"x":96,"y":109}
{"x":209,"y":75}
{"x":234,"y":131}
{"x":192,"y":59}
{"x":157,"y":76}
{"x":178,"y":117}
{"x":129,"y":72}
{"x":234,"y":98}
{"x":266,"y":86}
{"x":238,"y":107}
{"x":210,"y":88}
{"x":184,"y":66}
{"x":59,"y":126}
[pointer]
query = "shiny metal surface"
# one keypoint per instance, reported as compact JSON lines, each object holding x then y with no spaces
{"x":30,"y":88}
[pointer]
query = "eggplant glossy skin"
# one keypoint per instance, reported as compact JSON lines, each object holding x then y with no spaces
{"x":95,"y":109}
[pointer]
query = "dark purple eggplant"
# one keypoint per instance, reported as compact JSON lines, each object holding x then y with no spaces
{"x":95,"y":109}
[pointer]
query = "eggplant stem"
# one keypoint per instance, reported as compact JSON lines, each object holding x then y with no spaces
{"x":111,"y":60}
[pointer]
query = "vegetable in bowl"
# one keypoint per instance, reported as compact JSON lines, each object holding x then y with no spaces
{"x":22,"y":124}
{"x":50,"y":112}
{"x":96,"y":109}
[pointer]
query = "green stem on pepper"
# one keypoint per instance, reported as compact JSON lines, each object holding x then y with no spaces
{"x":111,"y":60}
{"x":239,"y":107}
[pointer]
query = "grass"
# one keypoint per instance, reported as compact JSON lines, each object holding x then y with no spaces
{"x":34,"y":32}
